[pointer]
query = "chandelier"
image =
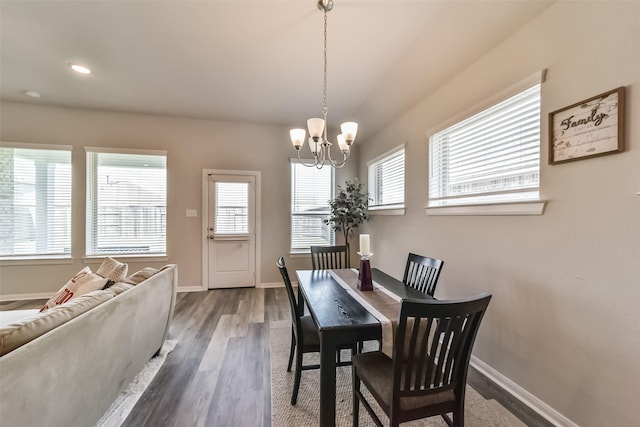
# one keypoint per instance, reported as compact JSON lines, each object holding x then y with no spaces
{"x":319,"y":144}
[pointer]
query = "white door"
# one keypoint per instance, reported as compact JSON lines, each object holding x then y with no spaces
{"x":231,"y":231}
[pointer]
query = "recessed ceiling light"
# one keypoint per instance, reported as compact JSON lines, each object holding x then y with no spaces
{"x":80,"y":69}
{"x":32,"y":93}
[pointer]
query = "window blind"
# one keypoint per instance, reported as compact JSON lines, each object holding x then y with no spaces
{"x":35,"y":201}
{"x":311,"y":190}
{"x":386,"y":181}
{"x":492,"y":156}
{"x":126,"y":203}
{"x":232,"y":208}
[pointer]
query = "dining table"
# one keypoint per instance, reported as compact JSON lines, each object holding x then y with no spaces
{"x":343,"y":316}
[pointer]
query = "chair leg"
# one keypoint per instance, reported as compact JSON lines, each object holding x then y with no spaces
{"x":458,"y":417}
{"x":296,"y":383}
{"x":356,"y":401}
{"x":293,"y":346}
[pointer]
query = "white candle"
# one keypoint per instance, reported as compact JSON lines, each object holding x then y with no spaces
{"x":365,"y":248}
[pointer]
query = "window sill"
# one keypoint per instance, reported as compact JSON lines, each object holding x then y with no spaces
{"x":510,"y":208}
{"x":299,"y":254}
{"x":93,"y":259}
{"x":36,"y":261}
{"x":387,"y":211}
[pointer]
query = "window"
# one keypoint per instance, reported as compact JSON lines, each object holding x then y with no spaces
{"x":311,"y":190}
{"x":35,"y":201}
{"x":386,"y":181}
{"x":491,"y":157}
{"x":126,"y":202}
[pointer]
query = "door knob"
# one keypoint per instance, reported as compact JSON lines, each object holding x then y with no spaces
{"x":211,"y":237}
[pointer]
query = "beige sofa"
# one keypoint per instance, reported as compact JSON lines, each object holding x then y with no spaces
{"x":70,"y":375}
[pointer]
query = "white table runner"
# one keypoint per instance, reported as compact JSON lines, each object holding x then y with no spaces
{"x":386,"y":324}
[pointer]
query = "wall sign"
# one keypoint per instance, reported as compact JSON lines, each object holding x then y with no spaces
{"x":590,"y":128}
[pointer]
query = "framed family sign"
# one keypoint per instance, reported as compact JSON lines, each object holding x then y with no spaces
{"x":590,"y":128}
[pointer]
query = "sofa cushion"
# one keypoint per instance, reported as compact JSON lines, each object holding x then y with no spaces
{"x":112,"y":269}
{"x":21,"y":332}
{"x":83,"y":282}
{"x":140,"y":276}
{"x":11,"y":316}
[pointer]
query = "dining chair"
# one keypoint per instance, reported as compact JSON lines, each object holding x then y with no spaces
{"x":427,"y":374}
{"x":422,"y":273}
{"x":328,"y":257}
{"x":304,"y":335}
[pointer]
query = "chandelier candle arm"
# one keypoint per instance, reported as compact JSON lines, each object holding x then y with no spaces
{"x":319,"y":144}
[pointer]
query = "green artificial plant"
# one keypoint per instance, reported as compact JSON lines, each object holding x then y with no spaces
{"x":348,"y":210}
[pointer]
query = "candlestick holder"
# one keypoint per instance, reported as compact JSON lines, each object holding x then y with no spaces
{"x":365,"y":283}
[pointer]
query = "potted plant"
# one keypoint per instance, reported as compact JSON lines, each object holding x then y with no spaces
{"x":348,"y":211}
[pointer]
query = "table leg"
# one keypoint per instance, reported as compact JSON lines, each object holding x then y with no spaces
{"x":327,"y":380}
{"x":300,"y":303}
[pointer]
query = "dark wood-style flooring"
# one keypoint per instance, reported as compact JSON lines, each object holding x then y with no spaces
{"x":219,"y":373}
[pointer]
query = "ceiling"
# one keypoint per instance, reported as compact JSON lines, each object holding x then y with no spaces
{"x":251,"y":61}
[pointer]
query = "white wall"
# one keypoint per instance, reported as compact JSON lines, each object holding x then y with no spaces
{"x":192,"y":145}
{"x":563,"y":323}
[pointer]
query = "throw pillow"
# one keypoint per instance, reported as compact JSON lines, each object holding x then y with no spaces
{"x":140,"y":276}
{"x":120,"y":287}
{"x":112,"y":269}
{"x":83,"y":282}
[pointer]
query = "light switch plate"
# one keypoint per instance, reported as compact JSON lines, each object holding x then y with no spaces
{"x":192,"y":213}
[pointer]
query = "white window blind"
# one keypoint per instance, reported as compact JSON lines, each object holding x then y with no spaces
{"x":493,"y":156}
{"x":311,"y":190}
{"x":232,"y":208}
{"x":386,"y":181}
{"x":35,"y":201}
{"x":126,"y":203}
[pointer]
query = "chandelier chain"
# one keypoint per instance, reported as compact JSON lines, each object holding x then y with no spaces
{"x":324,"y":102}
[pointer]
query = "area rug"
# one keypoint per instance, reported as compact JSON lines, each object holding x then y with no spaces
{"x":124,"y":403}
{"x":479,"y":412}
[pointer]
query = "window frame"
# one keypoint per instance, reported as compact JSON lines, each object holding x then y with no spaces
{"x":303,"y":251}
{"x":533,"y":206}
{"x":393,"y":208}
{"x":46,"y":258}
{"x":90,"y":253}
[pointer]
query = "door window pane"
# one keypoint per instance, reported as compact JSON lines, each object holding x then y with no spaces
{"x":231,"y":208}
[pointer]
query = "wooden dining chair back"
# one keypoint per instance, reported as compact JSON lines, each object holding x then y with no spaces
{"x":293,"y":303}
{"x":328,"y":257}
{"x":304,"y":335}
{"x":422,"y":273}
{"x":428,"y":371}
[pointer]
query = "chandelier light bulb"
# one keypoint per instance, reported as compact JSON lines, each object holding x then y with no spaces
{"x":297,"y":137}
{"x":316,"y":127}
{"x":344,"y":147}
{"x":313,"y":146}
{"x":349,"y":130}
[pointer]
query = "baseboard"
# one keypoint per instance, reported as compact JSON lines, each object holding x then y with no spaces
{"x":199,"y":288}
{"x":190,"y":289}
{"x":526,"y":398}
{"x":271,"y":285}
{"x":22,"y":297}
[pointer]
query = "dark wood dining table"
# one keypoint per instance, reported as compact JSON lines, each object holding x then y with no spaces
{"x":341,"y":319}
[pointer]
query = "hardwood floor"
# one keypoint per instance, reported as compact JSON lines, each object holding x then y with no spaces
{"x":219,"y":373}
